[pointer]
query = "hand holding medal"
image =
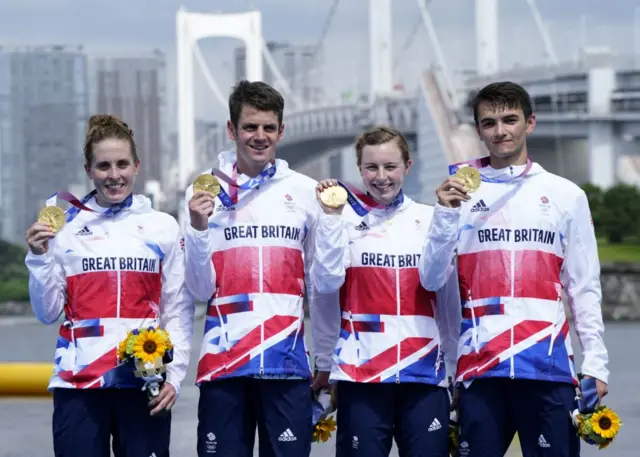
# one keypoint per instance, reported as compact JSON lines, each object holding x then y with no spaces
{"x":50,"y":221}
{"x":455,"y":189}
{"x":206,"y":188}
{"x":331,"y":196}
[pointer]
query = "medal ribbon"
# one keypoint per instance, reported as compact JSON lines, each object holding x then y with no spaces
{"x":231,"y":198}
{"x":79,"y":205}
{"x":363,"y":203}
{"x":484,"y":162}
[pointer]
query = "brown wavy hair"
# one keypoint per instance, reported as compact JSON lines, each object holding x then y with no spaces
{"x":106,"y":126}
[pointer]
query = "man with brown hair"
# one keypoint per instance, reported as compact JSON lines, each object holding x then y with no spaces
{"x":248,"y":254}
{"x":517,"y":236}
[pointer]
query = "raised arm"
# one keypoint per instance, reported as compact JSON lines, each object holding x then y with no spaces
{"x":200,"y":274}
{"x":323,"y":298}
{"x":47,"y":281}
{"x":581,"y":279}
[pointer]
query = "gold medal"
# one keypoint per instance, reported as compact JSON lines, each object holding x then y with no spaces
{"x":53,"y":216}
{"x":334,"y":196}
{"x":470,"y":177}
{"x":207,"y":183}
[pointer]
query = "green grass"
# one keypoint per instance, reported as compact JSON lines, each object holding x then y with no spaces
{"x":624,"y":252}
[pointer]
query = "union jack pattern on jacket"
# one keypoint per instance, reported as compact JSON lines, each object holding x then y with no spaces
{"x":520,"y":244}
{"x":251,"y":266}
{"x":110,"y":275}
{"x":389,"y":331}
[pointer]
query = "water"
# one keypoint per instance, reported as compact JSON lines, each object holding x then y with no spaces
{"x":25,"y":423}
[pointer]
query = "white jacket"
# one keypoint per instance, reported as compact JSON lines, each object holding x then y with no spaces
{"x":110,"y":275}
{"x":519,"y":244}
{"x":393,"y":330}
{"x":251,"y":266}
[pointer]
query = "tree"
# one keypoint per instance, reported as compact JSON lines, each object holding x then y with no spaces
{"x":14,"y":276}
{"x":595,"y":196}
{"x":620,"y":212}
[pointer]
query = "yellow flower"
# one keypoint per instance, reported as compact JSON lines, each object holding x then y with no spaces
{"x":323,"y":429}
{"x":122,"y":347}
{"x":148,"y":346}
{"x":606,"y":423}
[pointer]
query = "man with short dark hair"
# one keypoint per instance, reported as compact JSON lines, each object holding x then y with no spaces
{"x":248,"y":253}
{"x":517,"y":241}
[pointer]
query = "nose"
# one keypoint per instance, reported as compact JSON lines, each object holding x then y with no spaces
{"x":113,"y":173}
{"x":260,"y":134}
{"x":500,"y":130}
{"x":380,"y":175}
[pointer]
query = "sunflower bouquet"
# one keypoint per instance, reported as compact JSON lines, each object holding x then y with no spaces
{"x":150,"y":350}
{"x":596,"y":424}
{"x":323,"y":406}
{"x":598,"y":428}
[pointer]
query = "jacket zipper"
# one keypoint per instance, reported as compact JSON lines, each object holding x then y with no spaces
{"x":513,"y":272}
{"x":260,"y":281}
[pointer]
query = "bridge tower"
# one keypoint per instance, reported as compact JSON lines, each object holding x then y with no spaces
{"x":380,"y":48}
{"x":191,"y":27}
{"x":487,"y":49}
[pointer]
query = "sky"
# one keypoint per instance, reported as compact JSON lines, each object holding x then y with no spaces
{"x":131,"y":27}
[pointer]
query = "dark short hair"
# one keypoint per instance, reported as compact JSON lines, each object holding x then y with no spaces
{"x":258,"y":95}
{"x":504,"y":94}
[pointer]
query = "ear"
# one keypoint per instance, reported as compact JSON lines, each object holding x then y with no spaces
{"x":231,"y":131}
{"x":531,"y":123}
{"x":87,"y":170}
{"x":408,"y":165}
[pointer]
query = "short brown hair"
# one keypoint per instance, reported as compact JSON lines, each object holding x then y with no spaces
{"x":105,"y":126}
{"x":504,"y":94}
{"x":382,"y":134}
{"x":258,"y":95}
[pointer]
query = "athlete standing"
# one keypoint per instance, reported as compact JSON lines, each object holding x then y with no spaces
{"x":518,"y":242}
{"x":248,"y":254}
{"x":396,"y":338}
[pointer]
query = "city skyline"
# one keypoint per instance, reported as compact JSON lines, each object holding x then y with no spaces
{"x":142,"y":28}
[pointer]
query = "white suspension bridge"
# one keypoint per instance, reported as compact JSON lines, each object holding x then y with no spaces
{"x":316,"y":129}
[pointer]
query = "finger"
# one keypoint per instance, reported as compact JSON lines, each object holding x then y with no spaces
{"x":454,"y":184}
{"x":455,"y":195}
{"x":38,"y":228}
{"x":164,"y":404}
{"x":40,"y":237}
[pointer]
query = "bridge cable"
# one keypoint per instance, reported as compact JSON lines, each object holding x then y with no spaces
{"x":323,"y":33}
{"x":408,"y":42}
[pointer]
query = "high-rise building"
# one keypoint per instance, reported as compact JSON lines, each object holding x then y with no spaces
{"x":43,"y":114}
{"x":299,"y":66}
{"x":133,"y":88}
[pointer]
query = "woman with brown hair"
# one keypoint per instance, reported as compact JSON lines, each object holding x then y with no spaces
{"x":115,"y":265}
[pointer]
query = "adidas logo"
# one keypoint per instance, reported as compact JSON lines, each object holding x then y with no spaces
{"x":85,"y":231}
{"x":362,"y":227}
{"x":542,"y":442}
{"x":435,"y":425}
{"x":479,"y":207}
{"x":287,"y":435}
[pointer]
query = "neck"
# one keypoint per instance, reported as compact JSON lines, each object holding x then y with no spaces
{"x":251,"y":170}
{"x":383,"y":202}
{"x":513,"y":160}
{"x":103,"y":203}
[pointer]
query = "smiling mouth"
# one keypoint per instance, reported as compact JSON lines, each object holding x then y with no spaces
{"x":114,"y":186}
{"x":258,"y":148}
{"x":383,"y":187}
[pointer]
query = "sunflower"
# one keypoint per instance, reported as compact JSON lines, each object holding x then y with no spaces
{"x":323,"y":429}
{"x":149,"y":346}
{"x":606,"y":423}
